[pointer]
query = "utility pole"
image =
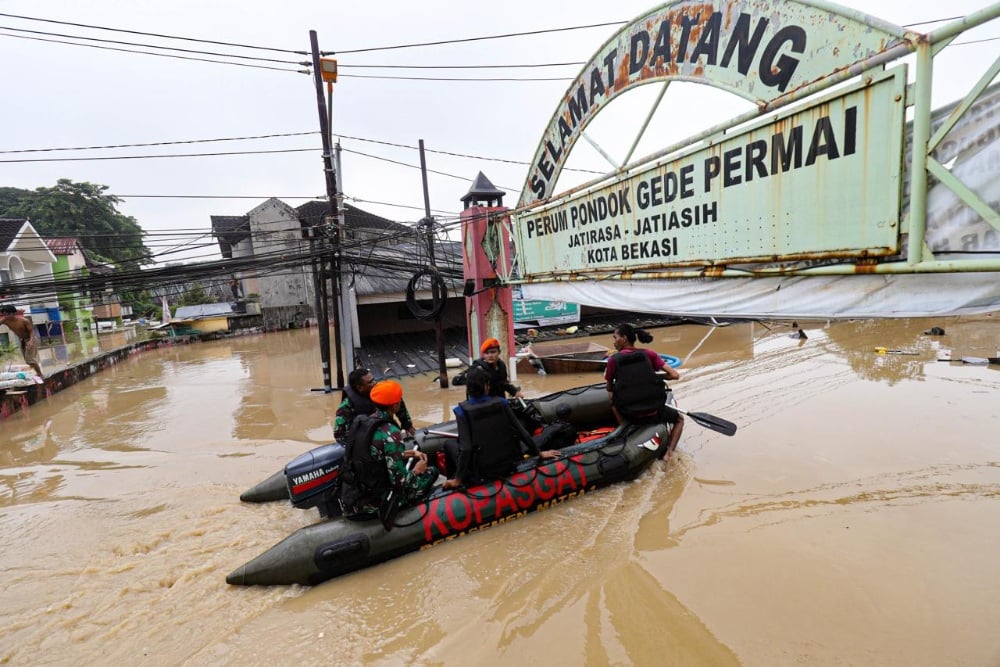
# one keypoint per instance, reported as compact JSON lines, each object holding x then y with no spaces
{"x":349,"y":333}
{"x":331,"y":226}
{"x":428,"y":225}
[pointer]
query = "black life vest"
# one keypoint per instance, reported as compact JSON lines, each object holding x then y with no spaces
{"x":494,"y":439}
{"x":498,"y":377}
{"x":362,"y":404}
{"x":365,"y":479}
{"x":637,"y":390}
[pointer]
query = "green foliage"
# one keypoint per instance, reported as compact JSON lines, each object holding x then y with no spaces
{"x":194,"y":296}
{"x":143,"y":304}
{"x":84,"y":211}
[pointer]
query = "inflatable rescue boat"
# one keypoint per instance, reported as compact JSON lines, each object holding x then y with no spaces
{"x":602,"y":454}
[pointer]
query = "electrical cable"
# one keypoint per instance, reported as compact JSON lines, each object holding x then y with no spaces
{"x":149,"y":46}
{"x":163,"y":143}
{"x":472,"y":39}
{"x":521,"y":66}
{"x":159,"y":55}
{"x":151,"y":157}
{"x":153,"y":34}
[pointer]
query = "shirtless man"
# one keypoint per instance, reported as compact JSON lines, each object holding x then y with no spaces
{"x":21,"y":326}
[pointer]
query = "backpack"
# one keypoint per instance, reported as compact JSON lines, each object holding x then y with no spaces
{"x":364,"y":476}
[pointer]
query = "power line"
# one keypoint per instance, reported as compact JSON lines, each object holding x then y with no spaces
{"x":149,"y":157}
{"x":473,"y":39}
{"x":160,"y":143}
{"x":159,"y":55}
{"x":153,"y":34}
{"x":265,"y":197}
{"x":452,"y":154}
{"x":348,"y":66}
{"x":148,"y":46}
{"x":383,"y":203}
{"x":455,"y":78}
{"x":413,"y":166}
{"x":272,"y":136}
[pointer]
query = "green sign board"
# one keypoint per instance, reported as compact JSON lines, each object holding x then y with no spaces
{"x":822,"y":179}
{"x":546,"y":312}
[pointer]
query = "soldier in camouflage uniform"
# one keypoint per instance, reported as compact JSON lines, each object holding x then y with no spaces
{"x":407,"y":486}
{"x":357,"y":401}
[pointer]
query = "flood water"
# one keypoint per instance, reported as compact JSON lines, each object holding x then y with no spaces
{"x":854,"y":519}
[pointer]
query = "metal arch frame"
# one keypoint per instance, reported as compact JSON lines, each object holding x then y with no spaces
{"x":919,"y":258}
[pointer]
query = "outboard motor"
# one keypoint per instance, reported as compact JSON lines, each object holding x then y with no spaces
{"x":314,"y":479}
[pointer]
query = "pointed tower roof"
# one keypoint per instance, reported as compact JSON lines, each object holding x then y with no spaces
{"x":483,"y":191}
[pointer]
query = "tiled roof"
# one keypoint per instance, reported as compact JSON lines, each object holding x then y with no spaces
{"x":9,"y":228}
{"x":63,"y":245}
{"x":313,"y":211}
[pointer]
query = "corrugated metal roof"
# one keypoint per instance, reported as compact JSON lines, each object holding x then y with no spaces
{"x":203,"y":310}
{"x":412,"y":353}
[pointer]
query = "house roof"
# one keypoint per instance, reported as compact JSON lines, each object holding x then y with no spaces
{"x":64,"y":245}
{"x":203,"y":310}
{"x":18,"y":236}
{"x":313,"y":211}
{"x":230,"y":230}
{"x":9,"y":229}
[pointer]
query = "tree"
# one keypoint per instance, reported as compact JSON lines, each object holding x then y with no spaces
{"x":84,"y":211}
{"x":194,"y":297}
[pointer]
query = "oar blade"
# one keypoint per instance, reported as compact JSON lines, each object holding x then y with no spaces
{"x":718,"y":424}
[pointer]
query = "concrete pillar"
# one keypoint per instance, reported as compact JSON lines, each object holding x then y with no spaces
{"x":490,"y":310}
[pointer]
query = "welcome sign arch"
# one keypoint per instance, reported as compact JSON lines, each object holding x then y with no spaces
{"x":810,"y":182}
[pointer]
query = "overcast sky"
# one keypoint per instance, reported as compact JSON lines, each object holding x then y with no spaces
{"x":59,"y":95}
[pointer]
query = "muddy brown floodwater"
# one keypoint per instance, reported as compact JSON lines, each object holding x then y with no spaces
{"x":854,"y":519}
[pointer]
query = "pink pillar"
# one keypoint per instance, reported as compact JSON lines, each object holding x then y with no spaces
{"x":490,"y":311}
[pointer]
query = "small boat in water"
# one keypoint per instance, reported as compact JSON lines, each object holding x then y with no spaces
{"x":603,"y":453}
{"x":562,"y":357}
{"x":572,"y":357}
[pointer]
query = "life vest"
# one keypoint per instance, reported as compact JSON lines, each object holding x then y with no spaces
{"x":498,"y":377}
{"x":365,"y":479}
{"x":362,"y":404}
{"x":637,"y":389}
{"x":495,"y":444}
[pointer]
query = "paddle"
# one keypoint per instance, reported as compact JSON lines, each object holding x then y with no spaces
{"x":389,"y":510}
{"x":709,"y":421}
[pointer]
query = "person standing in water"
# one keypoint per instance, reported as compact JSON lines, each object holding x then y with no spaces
{"x":23,"y":329}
